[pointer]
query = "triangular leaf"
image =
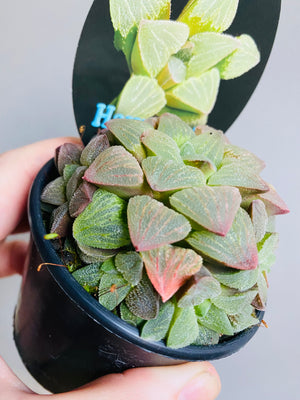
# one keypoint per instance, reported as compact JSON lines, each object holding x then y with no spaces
{"x":184,"y":328}
{"x":61,"y":220}
{"x":244,"y":157}
{"x":201,"y":288}
{"x":112,"y":290}
{"x":236,"y":250}
{"x":131,"y":266}
{"x":116,"y":170}
{"x":95,"y":146}
{"x":141,"y":97}
{"x":89,"y":275}
{"x":191,"y":118}
{"x":213,"y":208}
{"x":206,"y":337}
{"x":202,"y":309}
{"x":243,"y":320}
{"x":74,"y":182}
{"x":127,"y":315}
{"x":186,"y":52}
{"x":207,"y":146}
{"x":103,"y":223}
{"x":109,"y":267}
{"x":161,"y":144}
{"x":210,"y":48}
{"x":172,"y":74}
{"x":81,"y":199}
{"x":174,"y":127}
{"x":273,"y":202}
{"x":236,"y":174}
{"x":92,"y":255}
{"x":128,"y":133}
{"x":155,"y":43}
{"x":143,"y":301}
{"x":69,"y":170}
{"x":196,"y":94}
{"x":169,"y":267}
{"x":259,"y":219}
{"x":232,"y":301}
{"x":68,"y":153}
{"x":164,"y":176}
{"x":157,"y":329}
{"x":217,"y":320}
{"x":152,"y":225}
{"x":55,"y":192}
{"x":266,"y":249}
{"x":241,"y":60}
{"x":209,"y":15}
{"x":241,"y":280}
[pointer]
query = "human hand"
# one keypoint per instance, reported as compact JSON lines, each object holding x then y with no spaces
{"x":192,"y":381}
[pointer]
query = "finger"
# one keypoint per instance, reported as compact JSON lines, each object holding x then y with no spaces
{"x":19,"y":168}
{"x":10,"y":386}
{"x":12,"y":257}
{"x":192,"y":381}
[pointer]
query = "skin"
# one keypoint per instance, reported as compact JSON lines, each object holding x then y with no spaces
{"x":191,"y":381}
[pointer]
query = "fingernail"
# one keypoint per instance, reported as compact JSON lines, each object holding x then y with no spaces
{"x":203,"y":386}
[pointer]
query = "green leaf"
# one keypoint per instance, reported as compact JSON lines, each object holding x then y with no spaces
{"x":169,"y":267}
{"x":207,"y":146}
{"x":95,"y":146}
{"x":128,"y":14}
{"x":92,"y":255}
{"x":260,"y":300}
{"x":127,"y":315}
{"x":172,"y":74}
{"x":201,"y":288}
{"x":130,"y":265}
{"x":241,"y":60}
{"x":103,"y":223}
{"x":89,"y":275}
{"x":174,"y":127}
{"x":186,"y":52}
{"x":206,"y":337}
{"x":109,"y":267}
{"x":243,"y":320}
{"x":55,"y":192}
{"x":69,"y":170}
{"x":141,"y":97}
{"x":233,"y":302}
{"x":236,"y":250}
{"x":164,"y":176}
{"x":161,"y":144}
{"x":152,"y":225}
{"x":241,"y":280}
{"x":236,"y":174}
{"x":157,"y":329}
{"x":112,"y":290}
{"x":184,"y":328}
{"x":143,"y":301}
{"x":210,"y":48}
{"x":209,"y":15}
{"x":116,"y":170}
{"x":213,"y":208}
{"x":196,"y":94}
{"x":190,"y":118}
{"x":128,"y":133}
{"x":259,"y":218}
{"x":202,"y":309}
{"x":155,"y":43}
{"x":217,"y":320}
{"x":243,"y":157}
{"x":266,"y":249}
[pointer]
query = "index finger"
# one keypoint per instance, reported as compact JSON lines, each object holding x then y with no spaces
{"x":18,"y":170}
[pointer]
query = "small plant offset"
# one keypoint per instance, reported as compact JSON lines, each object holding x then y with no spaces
{"x":176,"y":66}
{"x":169,"y":228}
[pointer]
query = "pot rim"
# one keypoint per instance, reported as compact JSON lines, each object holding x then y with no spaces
{"x":100,"y":314}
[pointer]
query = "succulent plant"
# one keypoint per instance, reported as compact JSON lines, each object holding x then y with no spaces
{"x":176,"y":66}
{"x":170,"y":228}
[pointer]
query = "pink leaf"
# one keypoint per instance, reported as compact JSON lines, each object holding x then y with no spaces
{"x":273,"y":202}
{"x":169,"y":267}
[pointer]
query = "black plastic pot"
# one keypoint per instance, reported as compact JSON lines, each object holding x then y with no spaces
{"x":66,"y":338}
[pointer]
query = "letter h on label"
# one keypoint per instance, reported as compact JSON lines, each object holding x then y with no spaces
{"x":104,"y":114}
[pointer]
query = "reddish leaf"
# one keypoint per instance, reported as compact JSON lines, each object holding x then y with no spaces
{"x":152,"y":225}
{"x":169,"y":267}
{"x":273,"y":202}
{"x":68,"y":153}
{"x":96,"y":145}
{"x":81,"y":199}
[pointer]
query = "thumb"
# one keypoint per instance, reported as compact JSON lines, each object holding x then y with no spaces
{"x":192,"y":381}
{"x":10,"y":385}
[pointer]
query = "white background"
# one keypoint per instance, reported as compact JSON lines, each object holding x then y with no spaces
{"x":38,"y":41}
